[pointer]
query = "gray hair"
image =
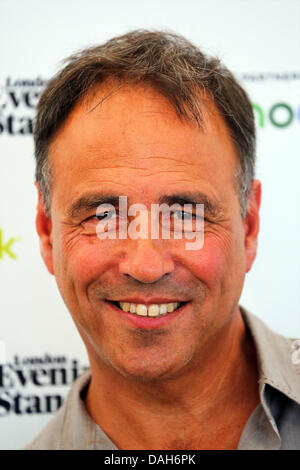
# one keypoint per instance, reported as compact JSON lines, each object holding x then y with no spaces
{"x":169,"y":63}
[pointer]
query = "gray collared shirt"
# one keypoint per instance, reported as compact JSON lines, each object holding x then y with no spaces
{"x":273,"y":425}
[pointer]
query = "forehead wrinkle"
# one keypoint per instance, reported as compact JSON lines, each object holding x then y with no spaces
{"x":136,"y":167}
{"x":132,"y":161}
{"x":106,"y":181}
{"x":114,"y":167}
{"x":179,"y":162}
{"x":94,"y":151}
{"x":155,"y":173}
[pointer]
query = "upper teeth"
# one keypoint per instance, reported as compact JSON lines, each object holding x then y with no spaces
{"x":152,"y":310}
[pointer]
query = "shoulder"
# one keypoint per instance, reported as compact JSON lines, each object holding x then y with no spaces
{"x":52,"y":436}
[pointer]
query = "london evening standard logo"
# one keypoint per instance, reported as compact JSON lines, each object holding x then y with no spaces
{"x":18,"y":101}
{"x":26,"y":383}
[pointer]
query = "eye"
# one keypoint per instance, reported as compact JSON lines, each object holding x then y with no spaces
{"x":186,"y":221}
{"x":103,"y":222}
{"x":183,"y":221}
{"x":182,"y":215}
{"x":105,"y":215}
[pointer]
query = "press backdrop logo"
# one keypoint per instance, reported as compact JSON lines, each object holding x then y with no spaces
{"x":7,"y":246}
{"x":18,"y":100}
{"x":279,"y":114}
{"x":34,"y":385}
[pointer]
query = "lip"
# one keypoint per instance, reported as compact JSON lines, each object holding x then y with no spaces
{"x":148,"y":323}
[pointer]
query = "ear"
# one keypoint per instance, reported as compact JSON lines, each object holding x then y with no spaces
{"x":251,"y":223}
{"x":43,"y":225}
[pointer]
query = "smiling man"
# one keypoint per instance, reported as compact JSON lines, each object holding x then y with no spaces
{"x":175,"y":362}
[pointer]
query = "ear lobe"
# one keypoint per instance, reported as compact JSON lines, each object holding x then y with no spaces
{"x":43,"y":225}
{"x":251,"y":223}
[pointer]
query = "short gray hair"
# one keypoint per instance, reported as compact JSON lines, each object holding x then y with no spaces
{"x":169,"y":63}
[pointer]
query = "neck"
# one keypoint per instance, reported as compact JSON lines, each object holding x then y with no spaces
{"x":214,"y":392}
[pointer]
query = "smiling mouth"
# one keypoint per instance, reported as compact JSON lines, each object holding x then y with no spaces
{"x":152,"y":310}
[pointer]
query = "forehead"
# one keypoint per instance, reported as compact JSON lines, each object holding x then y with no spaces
{"x":127,"y":136}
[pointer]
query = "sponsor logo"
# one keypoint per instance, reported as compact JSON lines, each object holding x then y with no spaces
{"x":22,"y":383}
{"x":18,"y":100}
{"x":270,"y":76}
{"x":279,"y":115}
{"x":6,"y":246}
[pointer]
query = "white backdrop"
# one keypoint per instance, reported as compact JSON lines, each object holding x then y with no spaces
{"x":40,"y":350}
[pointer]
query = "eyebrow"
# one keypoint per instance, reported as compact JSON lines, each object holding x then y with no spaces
{"x":89,"y":202}
{"x":211,"y":206}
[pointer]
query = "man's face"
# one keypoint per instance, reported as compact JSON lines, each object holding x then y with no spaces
{"x":133,"y":144}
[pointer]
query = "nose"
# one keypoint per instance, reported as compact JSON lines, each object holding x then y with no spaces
{"x":146,"y":261}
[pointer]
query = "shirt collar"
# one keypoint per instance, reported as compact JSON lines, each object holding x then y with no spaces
{"x":79,"y":431}
{"x":275,"y":358}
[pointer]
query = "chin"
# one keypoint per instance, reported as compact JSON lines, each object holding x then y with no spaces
{"x":149,"y":371}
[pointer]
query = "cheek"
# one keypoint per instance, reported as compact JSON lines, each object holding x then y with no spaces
{"x":218,"y":262}
{"x":210,"y":262}
{"x":80,"y":260}
{"x":87,"y":263}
